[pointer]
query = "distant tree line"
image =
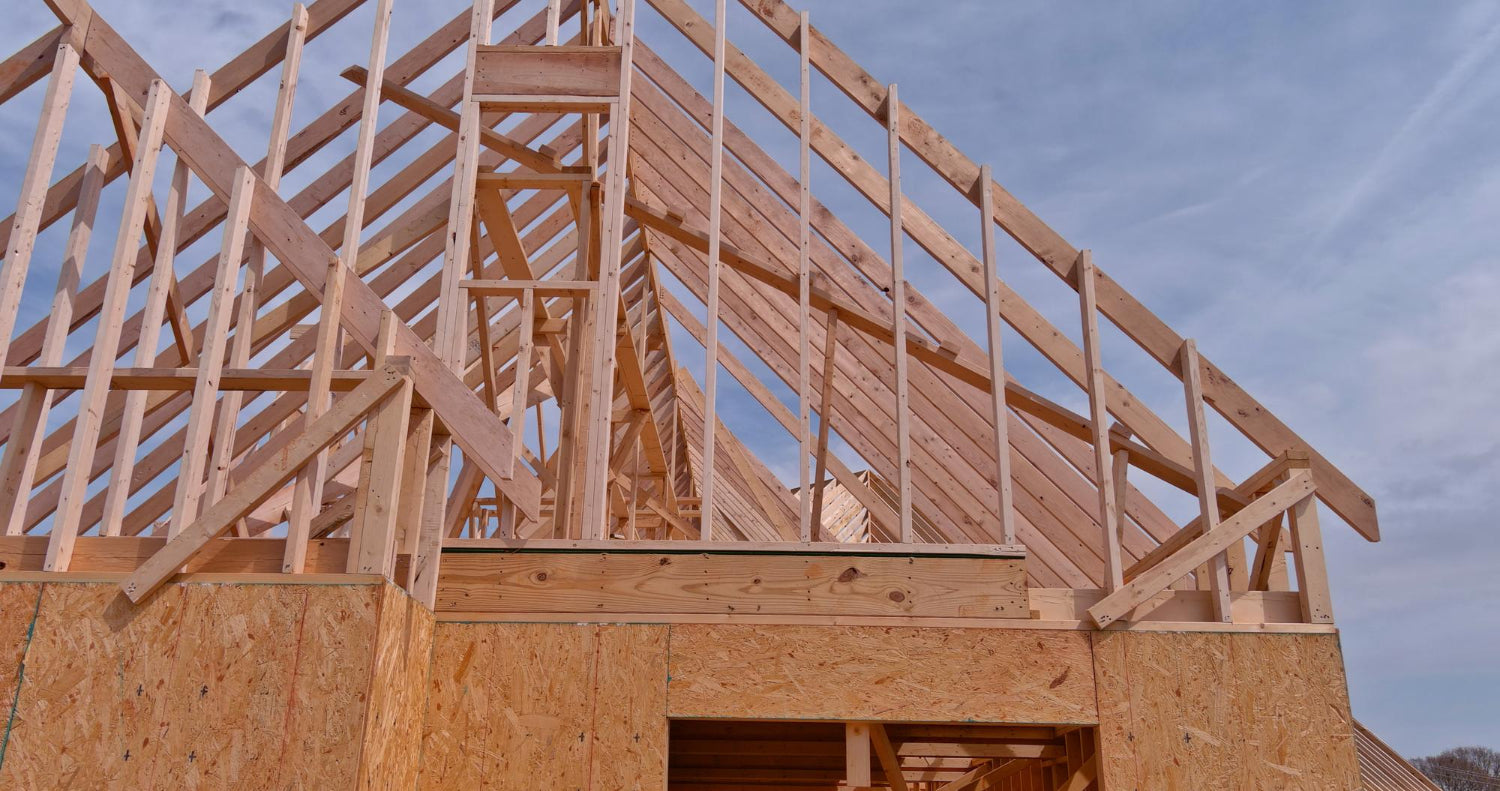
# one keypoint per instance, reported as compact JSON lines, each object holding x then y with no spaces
{"x":1462,"y":769}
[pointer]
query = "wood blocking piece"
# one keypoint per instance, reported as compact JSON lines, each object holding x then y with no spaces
{"x":547,"y":71}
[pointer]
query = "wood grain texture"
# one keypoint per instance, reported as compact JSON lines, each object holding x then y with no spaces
{"x":214,"y":686}
{"x":577,"y":706}
{"x":880,"y":673}
{"x":550,"y":71}
{"x":18,"y":608}
{"x":392,"y":738}
{"x":1232,"y":711}
{"x":786,"y":584}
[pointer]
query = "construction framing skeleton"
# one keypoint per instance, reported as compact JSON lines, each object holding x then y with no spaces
{"x":473,"y":382}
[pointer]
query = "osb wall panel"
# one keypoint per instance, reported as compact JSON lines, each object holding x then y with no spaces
{"x":398,"y":694}
{"x":568,"y":706}
{"x":881,"y":673}
{"x":200,"y":686}
{"x":18,"y":605}
{"x":1189,"y":711}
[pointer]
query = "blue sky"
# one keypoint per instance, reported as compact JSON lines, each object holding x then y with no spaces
{"x":1308,"y":189}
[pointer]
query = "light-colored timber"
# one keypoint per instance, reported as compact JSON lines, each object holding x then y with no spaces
{"x":402,"y":479}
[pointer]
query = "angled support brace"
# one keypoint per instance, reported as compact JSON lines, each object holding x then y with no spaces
{"x":267,"y":478}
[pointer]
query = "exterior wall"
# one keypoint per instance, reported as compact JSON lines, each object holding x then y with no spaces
{"x":569,"y":706}
{"x":1187,"y":711}
{"x":353,"y":686}
{"x":213,"y":686}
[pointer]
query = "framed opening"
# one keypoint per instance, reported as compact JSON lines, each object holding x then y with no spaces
{"x":745,"y":755}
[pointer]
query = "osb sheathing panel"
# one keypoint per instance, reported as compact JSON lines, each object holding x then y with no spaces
{"x":398,"y":694}
{"x":881,"y":673}
{"x":202,"y":686}
{"x":18,"y":605}
{"x":1189,"y":711}
{"x":569,"y":706}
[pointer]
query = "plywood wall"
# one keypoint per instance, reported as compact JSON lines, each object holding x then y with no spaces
{"x":890,"y":673}
{"x":579,"y":706}
{"x":392,"y":738}
{"x":1189,"y":711}
{"x":353,"y":686}
{"x":202,"y":686}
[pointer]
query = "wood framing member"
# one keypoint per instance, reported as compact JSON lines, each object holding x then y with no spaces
{"x":825,"y":410}
{"x":898,"y":316}
{"x":196,"y":443}
{"x":107,"y":336}
{"x":1208,"y":505}
{"x":715,"y":234}
{"x":606,"y":309}
{"x":267,"y":478}
{"x":1121,"y":601}
{"x":1135,"y":319}
{"x":857,"y":754}
{"x":28,"y":217}
{"x":1098,"y":415}
{"x":305,"y":255}
{"x":879,"y":510}
{"x":890,"y":762}
{"x":249,"y":302}
{"x":307,"y":495}
{"x":163,"y":281}
{"x":804,"y":285}
{"x":28,"y":430}
{"x":997,"y":366}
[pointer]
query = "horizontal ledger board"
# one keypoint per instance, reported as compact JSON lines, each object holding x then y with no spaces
{"x":759,"y":584}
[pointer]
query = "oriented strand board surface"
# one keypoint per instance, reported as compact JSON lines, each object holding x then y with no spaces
{"x":743,"y":583}
{"x":630,"y":710}
{"x":18,"y":606}
{"x":881,"y":673}
{"x":200,"y":686}
{"x":569,"y":707}
{"x":1190,"y":711}
{"x":398,"y":694}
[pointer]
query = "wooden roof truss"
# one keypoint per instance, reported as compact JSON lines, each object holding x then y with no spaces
{"x":480,"y":347}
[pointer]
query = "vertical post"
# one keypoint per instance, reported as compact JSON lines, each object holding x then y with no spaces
{"x":488,"y":368}
{"x":107,"y":337}
{"x":715,"y":230}
{"x":519,"y":390}
{"x":1098,"y":415}
{"x":18,"y":467}
{"x":997,"y":362}
{"x":804,"y":279}
{"x":422,"y":581}
{"x":377,"y":499}
{"x":244,"y":323}
{"x":413,"y":499}
{"x":1203,"y":476}
{"x":898,"y":315}
{"x":162,"y":279}
{"x":1312,"y":574}
{"x":825,"y":412}
{"x":210,"y":361}
{"x":554,"y":8}
{"x":607,"y":303}
{"x":452,"y":328}
{"x":857,"y":772}
{"x":28,"y":217}
{"x":307,"y":493}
